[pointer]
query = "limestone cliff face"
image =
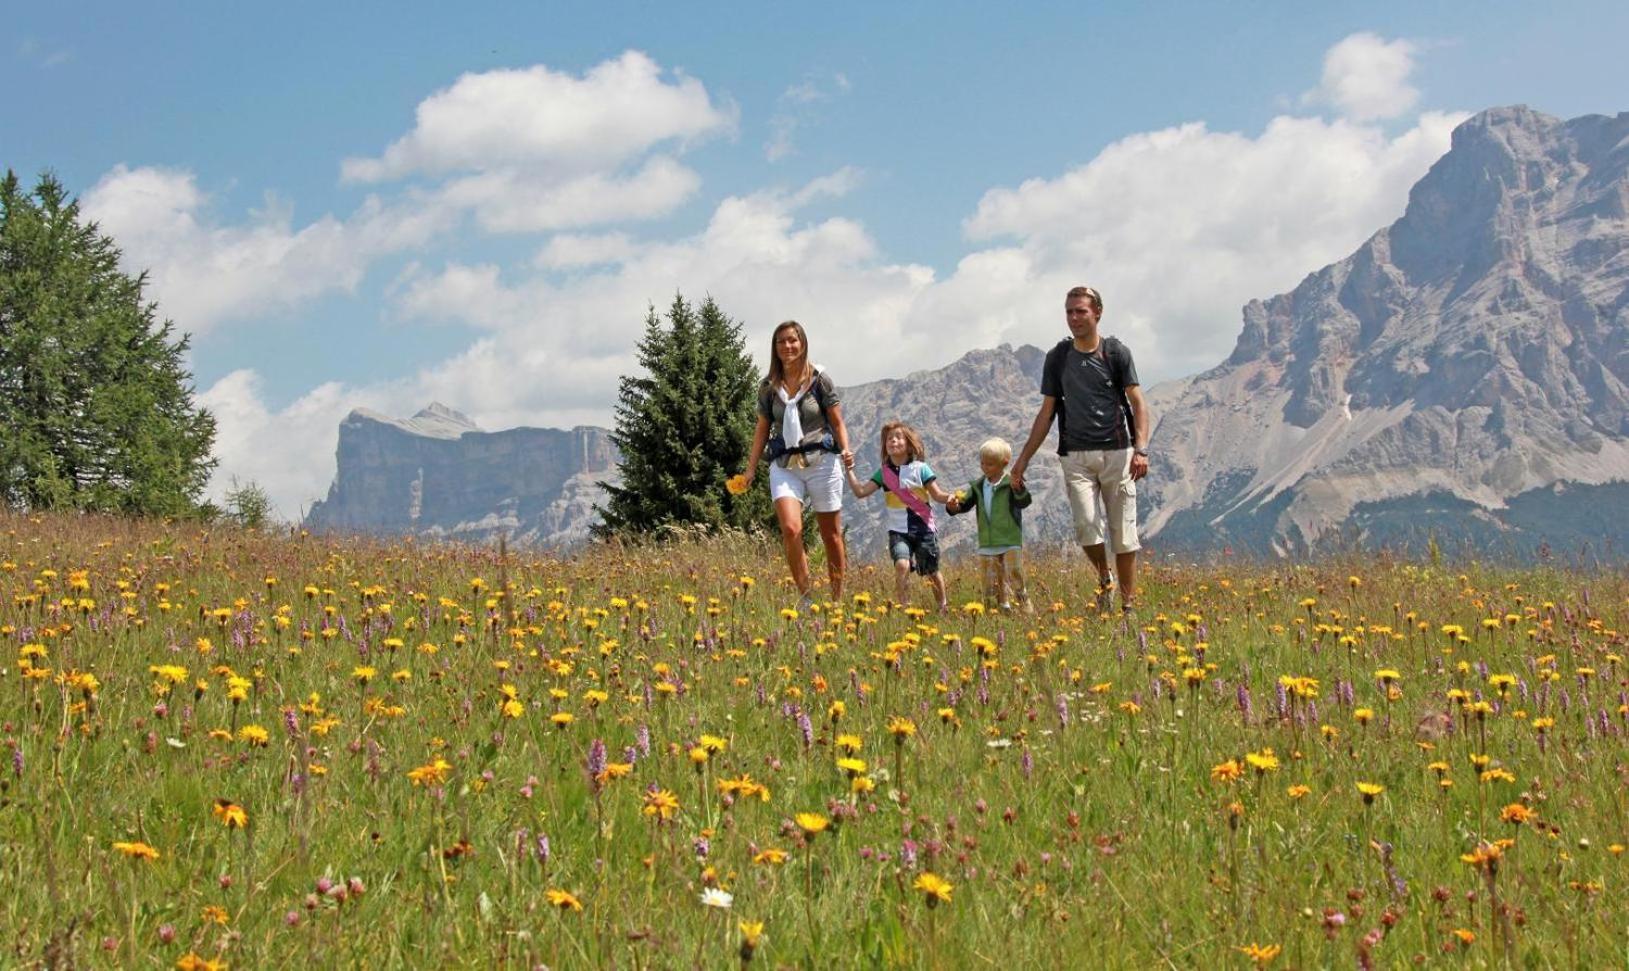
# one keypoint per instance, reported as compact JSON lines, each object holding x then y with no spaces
{"x":1473,"y":352}
{"x":436,"y":475}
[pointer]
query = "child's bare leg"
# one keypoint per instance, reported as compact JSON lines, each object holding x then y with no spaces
{"x":937,"y":582}
{"x":992,"y":579}
{"x":1013,"y":562}
{"x":902,"y":573}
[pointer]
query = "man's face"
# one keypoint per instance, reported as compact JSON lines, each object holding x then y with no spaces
{"x":1082,"y":316}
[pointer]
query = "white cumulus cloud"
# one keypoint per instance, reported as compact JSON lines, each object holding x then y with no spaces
{"x":538,"y":117}
{"x":204,"y":271}
{"x":1366,"y":78}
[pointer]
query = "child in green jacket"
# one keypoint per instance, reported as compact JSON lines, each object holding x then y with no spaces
{"x":999,"y":509}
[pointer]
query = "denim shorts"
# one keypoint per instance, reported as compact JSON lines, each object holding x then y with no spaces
{"x":921,"y":549}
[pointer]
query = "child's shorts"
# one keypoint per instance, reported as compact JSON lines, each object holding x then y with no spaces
{"x":921,"y":549}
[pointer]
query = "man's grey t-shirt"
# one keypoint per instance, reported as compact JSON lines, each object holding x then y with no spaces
{"x":1094,"y":408}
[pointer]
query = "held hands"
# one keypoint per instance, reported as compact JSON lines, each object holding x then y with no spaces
{"x":848,"y":460}
{"x":1016,"y":477}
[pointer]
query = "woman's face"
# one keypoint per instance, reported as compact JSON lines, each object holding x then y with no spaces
{"x":788,"y":346}
{"x":899,"y":449}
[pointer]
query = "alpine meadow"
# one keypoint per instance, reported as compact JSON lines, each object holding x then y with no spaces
{"x":462,"y":471}
{"x":229,"y":747}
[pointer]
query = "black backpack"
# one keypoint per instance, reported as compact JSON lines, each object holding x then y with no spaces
{"x":1108,"y":348}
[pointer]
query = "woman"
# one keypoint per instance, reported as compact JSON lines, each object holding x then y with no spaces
{"x":800,"y":421}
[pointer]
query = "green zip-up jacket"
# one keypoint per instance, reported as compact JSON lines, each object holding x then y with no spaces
{"x":1003,"y":525}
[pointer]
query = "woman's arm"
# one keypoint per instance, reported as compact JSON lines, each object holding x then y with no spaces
{"x":759,"y":436}
{"x":839,"y":431}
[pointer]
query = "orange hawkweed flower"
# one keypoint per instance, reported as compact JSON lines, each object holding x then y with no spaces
{"x":231,"y":815}
{"x":1517,"y":813}
{"x":432,"y":774}
{"x":1261,"y":954}
{"x":661,"y":804}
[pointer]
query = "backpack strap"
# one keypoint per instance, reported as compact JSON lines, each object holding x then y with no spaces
{"x":1056,"y":361}
{"x":1113,"y":355}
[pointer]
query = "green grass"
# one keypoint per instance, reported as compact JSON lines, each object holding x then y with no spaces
{"x":1104,"y":838}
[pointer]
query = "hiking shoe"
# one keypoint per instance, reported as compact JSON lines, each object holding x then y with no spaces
{"x":805,"y":602}
{"x":1105,"y":594}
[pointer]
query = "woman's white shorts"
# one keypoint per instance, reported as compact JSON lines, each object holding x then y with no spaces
{"x":820,"y":485}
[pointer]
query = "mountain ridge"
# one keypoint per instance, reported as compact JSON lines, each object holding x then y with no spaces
{"x":1462,"y":376}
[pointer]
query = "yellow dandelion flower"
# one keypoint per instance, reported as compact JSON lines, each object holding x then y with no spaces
{"x":812,"y":824}
{"x":934,"y":888}
{"x":137,"y":851}
{"x":563,"y":900}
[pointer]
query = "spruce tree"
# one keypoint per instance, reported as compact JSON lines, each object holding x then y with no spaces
{"x":683,"y":427}
{"x":95,"y":399}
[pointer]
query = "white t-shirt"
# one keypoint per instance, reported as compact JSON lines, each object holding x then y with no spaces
{"x":914,"y":476}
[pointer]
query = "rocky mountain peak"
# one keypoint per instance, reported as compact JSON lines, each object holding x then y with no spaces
{"x":1476,"y":345}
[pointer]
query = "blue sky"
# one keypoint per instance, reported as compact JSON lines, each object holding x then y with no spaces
{"x":381,"y":205}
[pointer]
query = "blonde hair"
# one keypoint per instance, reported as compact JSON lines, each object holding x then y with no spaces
{"x":913,"y":442}
{"x":996,"y":448}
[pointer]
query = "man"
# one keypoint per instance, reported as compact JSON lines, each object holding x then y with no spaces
{"x":1102,"y":441}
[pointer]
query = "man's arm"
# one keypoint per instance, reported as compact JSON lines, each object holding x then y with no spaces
{"x":1139,"y":430}
{"x":1037,"y":434}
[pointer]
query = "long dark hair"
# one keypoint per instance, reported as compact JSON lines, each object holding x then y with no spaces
{"x":776,"y":371}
